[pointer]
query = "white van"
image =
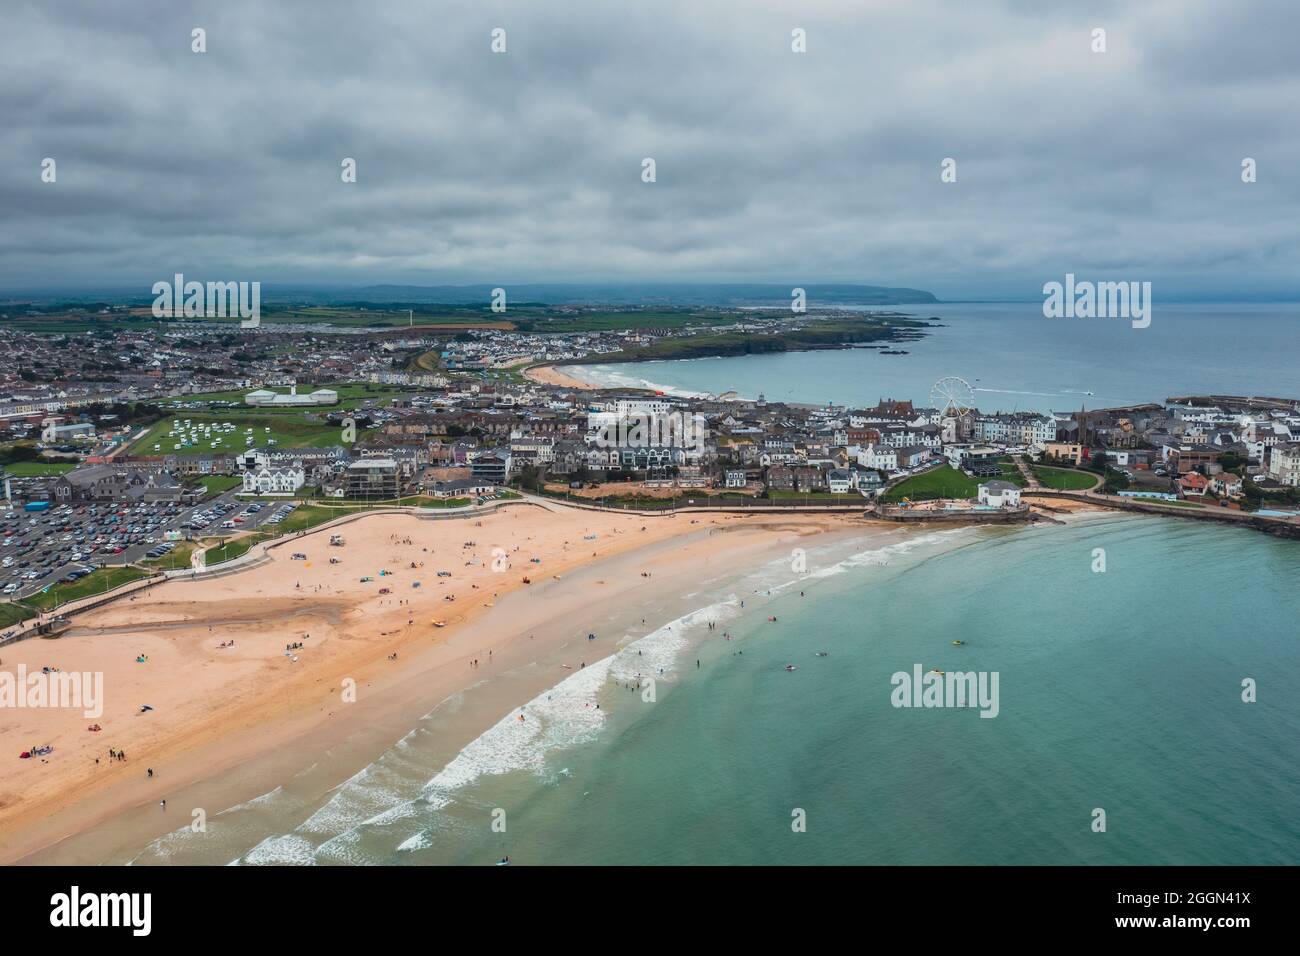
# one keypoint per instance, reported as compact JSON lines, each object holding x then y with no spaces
{"x":228,"y":525}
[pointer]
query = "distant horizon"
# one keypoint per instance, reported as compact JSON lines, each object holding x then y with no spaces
{"x":474,"y":291}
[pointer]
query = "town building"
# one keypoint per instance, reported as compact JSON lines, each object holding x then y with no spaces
{"x":262,"y":397}
{"x":277,"y":480}
{"x":999,"y":494}
{"x":1284,"y":464}
{"x":371,"y":478}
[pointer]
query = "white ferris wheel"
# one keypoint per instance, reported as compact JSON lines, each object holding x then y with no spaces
{"x":953,"y":397}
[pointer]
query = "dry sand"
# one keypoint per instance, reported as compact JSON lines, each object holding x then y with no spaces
{"x":218,"y":711}
{"x":555,"y":375}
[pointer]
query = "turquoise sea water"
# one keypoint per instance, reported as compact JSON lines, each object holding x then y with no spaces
{"x":1118,"y":690}
{"x":1017,"y":359}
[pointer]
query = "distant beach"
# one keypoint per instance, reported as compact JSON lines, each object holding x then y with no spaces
{"x":554,"y":375}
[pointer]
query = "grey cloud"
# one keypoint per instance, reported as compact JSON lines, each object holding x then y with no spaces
{"x":475,"y":167}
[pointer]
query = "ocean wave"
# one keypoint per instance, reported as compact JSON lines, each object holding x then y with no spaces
{"x":567,"y":715}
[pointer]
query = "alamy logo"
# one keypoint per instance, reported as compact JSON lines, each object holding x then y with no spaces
{"x":647,"y":430}
{"x":940,"y":689}
{"x":103,"y":909}
{"x":49,"y":688}
{"x":1102,"y":300}
{"x":195,"y":300}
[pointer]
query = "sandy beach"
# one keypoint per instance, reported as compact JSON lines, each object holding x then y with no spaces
{"x":555,"y":375}
{"x":227,"y":723}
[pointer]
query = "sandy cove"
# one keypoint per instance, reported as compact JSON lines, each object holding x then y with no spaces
{"x":230,"y":723}
{"x":555,"y":375}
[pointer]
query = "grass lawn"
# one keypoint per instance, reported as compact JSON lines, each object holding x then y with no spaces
{"x":11,"y":614}
{"x":216,"y":484}
{"x":305,"y":517}
{"x":38,"y":469}
{"x":1011,"y":473}
{"x":179,"y":557}
{"x":848,"y":498}
{"x":233,"y":549}
{"x":1063,"y":479}
{"x":294,"y":430}
{"x":97,"y":582}
{"x":945,"y":482}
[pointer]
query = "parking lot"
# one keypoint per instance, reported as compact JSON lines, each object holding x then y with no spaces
{"x":41,"y":548}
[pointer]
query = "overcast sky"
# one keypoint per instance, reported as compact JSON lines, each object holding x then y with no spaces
{"x":772,"y":166}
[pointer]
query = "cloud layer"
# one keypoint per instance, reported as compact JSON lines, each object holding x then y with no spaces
{"x":771,"y":165}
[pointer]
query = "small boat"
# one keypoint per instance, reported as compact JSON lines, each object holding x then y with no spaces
{"x":958,"y":643}
{"x":822,"y":654}
{"x":439,"y":623}
{"x":935,"y":670}
{"x":790,"y":667}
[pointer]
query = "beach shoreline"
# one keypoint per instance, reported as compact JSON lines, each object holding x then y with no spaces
{"x":239,"y":721}
{"x":555,"y":375}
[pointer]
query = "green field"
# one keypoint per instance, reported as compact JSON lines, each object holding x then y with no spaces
{"x":306,"y":517}
{"x":179,"y":557}
{"x":378,"y":317}
{"x":1063,"y":479}
{"x":288,"y":431}
{"x":815,"y":334}
{"x":602,"y":320}
{"x":945,"y":482}
{"x":11,"y":613}
{"x":38,"y":469}
{"x":233,"y":549}
{"x":97,"y":582}
{"x":851,"y":497}
{"x":216,"y":484}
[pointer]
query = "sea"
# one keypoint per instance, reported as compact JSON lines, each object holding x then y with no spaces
{"x":1014,"y":359}
{"x":1146,"y":713}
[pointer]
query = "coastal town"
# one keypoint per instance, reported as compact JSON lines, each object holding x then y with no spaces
{"x":660,"y":437}
{"x":135,"y":449}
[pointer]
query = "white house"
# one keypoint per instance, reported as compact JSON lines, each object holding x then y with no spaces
{"x":999,"y":494}
{"x":879,"y":459}
{"x":735,"y":478}
{"x":266,"y":480}
{"x":841,"y":481}
{"x":1284,"y":464}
